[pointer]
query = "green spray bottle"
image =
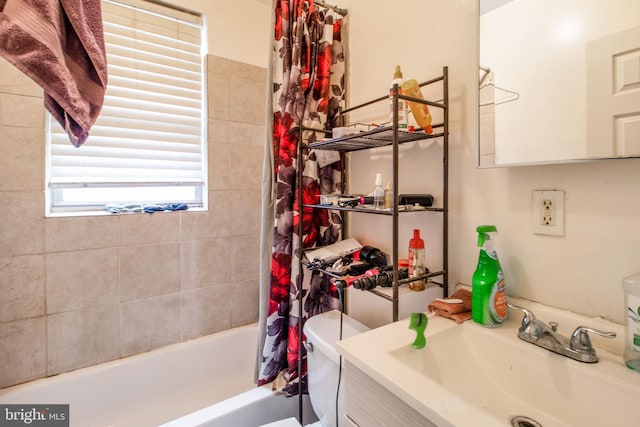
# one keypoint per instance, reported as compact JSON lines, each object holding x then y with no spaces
{"x":488,"y":292}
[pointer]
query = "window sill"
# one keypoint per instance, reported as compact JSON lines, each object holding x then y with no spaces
{"x":105,"y":213}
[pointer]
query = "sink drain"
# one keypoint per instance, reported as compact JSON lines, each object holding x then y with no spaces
{"x":521,"y":421}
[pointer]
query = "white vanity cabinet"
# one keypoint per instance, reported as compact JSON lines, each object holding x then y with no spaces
{"x":370,"y":404}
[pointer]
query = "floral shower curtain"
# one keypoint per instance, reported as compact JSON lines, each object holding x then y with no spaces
{"x":308,"y":89}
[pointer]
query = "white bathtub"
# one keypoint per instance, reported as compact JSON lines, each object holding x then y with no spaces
{"x":211,"y":376}
{"x":252,"y":408}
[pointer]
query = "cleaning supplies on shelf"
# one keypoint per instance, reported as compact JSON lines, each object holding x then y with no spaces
{"x":420,"y":111}
{"x":416,"y":261}
{"x":403,"y":123}
{"x":489,"y":296}
{"x":631,"y":286}
{"x":378,"y":193}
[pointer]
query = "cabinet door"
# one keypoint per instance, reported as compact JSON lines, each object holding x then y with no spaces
{"x":368,"y":403}
{"x":613,"y":95}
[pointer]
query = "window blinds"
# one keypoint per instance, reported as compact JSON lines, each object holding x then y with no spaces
{"x":150,"y":131}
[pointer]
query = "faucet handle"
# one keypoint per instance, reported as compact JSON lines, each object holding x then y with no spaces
{"x":580,"y":340}
{"x":528,"y":315}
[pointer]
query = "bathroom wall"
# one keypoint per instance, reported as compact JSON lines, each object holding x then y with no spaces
{"x":76,"y":291}
{"x":581,"y":271}
{"x":240,"y":29}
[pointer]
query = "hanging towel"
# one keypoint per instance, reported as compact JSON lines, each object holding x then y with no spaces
{"x":60,"y":45}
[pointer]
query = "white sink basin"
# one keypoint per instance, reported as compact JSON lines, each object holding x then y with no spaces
{"x":468,"y":375}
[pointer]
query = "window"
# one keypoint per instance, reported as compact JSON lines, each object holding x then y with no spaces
{"x":149,"y":144}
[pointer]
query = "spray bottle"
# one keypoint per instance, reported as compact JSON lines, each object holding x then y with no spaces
{"x":631,"y":286}
{"x":403,"y":119}
{"x":488,"y":293}
{"x":378,"y":193}
{"x":416,"y":261}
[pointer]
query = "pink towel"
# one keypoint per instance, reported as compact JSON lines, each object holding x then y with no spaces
{"x":458,"y":312}
{"x":60,"y":45}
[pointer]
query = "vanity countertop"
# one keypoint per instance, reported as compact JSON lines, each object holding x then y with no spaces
{"x":468,"y":375}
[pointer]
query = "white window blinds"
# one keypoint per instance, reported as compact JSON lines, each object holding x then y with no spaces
{"x":150,"y":132}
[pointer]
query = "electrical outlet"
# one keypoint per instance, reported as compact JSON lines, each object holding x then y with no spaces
{"x":548,"y":212}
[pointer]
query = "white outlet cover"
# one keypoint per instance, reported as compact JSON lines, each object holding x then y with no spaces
{"x":548,"y":230}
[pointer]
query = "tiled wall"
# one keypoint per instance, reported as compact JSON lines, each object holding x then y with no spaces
{"x":76,"y":291}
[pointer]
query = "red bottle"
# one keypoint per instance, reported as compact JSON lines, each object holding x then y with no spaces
{"x":416,"y":261}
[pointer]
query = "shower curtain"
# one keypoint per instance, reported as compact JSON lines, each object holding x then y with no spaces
{"x":307,"y":89}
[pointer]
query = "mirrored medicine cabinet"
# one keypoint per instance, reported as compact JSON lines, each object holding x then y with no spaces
{"x":559,"y":81}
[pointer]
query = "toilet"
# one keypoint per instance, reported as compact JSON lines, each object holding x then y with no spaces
{"x":322,"y":332}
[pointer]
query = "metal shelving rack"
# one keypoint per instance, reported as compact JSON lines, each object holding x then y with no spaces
{"x":392,"y":136}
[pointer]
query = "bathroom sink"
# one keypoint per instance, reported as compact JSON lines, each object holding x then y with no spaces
{"x":468,"y":375}
{"x":508,"y":378}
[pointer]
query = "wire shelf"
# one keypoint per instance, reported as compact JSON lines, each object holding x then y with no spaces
{"x":379,"y":137}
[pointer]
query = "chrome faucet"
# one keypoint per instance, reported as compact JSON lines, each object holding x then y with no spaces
{"x":578,"y":347}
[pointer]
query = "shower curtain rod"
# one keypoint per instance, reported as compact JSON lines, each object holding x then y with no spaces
{"x":336,"y":9}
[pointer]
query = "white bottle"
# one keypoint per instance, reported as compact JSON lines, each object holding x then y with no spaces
{"x":378,"y":193}
{"x":631,"y":286}
{"x":403,"y":120}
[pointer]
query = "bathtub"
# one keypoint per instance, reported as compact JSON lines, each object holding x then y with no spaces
{"x":206,"y":381}
{"x":249,"y":409}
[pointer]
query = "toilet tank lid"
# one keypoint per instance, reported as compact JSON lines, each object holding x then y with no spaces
{"x":323,"y":330}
